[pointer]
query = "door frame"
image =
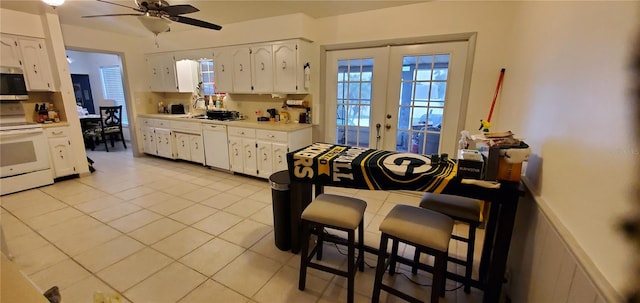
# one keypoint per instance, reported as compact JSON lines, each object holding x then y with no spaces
{"x":469,"y":37}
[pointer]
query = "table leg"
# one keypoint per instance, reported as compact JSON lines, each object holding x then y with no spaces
{"x":502,"y":241}
{"x":301,"y":196}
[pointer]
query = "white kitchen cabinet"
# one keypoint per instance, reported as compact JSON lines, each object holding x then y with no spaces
{"x":36,"y":65}
{"x":164,"y":143}
{"x":223,"y":69}
{"x":61,"y":152}
{"x":242,"y":150}
{"x":289,"y":60}
{"x":188,"y":141}
{"x":242,"y":70}
{"x":162,"y":73}
{"x":157,"y":138}
{"x":10,"y":52}
{"x":265,"y":159}
{"x":236,"y":155}
{"x":273,"y":147}
{"x":187,"y":76}
{"x":262,"y":68}
{"x":276,"y":67}
{"x":279,"y":155}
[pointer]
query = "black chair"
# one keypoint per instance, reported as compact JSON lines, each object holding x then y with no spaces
{"x":110,"y":125}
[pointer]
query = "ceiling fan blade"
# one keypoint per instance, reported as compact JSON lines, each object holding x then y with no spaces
{"x":180,"y":9}
{"x":118,"y":4}
{"x":196,"y":22}
{"x":112,"y":15}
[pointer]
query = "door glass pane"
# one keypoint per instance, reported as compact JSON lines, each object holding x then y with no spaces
{"x":422,"y":98}
{"x":353,"y":101}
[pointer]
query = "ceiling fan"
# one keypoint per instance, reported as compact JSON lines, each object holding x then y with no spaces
{"x":156,"y":15}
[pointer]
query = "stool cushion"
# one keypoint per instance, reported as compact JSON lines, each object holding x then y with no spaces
{"x":460,"y":208}
{"x":418,"y":225}
{"x":335,"y":210}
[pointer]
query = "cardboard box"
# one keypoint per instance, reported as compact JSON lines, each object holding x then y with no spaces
{"x":508,"y":171}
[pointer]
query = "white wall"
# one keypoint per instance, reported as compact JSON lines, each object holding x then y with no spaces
{"x":567,"y":92}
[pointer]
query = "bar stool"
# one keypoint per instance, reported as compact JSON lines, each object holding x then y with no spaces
{"x":461,"y":209}
{"x":428,"y":231}
{"x":336,"y":212}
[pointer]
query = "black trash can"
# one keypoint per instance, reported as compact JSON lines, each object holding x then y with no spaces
{"x":280,"y":196}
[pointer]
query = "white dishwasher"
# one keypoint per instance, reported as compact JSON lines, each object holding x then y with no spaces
{"x":216,"y":153}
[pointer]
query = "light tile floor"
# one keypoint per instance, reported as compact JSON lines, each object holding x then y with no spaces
{"x":155,"y":230}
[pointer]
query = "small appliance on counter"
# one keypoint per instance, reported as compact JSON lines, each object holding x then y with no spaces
{"x":177,"y":109}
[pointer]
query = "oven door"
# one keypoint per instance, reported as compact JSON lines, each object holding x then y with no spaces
{"x":23,"y":151}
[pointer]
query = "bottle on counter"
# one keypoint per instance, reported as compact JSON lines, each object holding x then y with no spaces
{"x":160,"y":107}
{"x":52,"y":113}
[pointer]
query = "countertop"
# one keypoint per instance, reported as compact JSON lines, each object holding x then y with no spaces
{"x":291,"y":126}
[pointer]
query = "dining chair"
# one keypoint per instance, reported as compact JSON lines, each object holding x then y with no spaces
{"x":110,"y":125}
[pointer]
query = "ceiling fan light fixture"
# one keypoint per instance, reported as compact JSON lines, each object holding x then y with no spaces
{"x":53,"y":3}
{"x":155,"y":24}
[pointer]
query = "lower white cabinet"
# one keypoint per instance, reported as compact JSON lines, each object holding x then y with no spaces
{"x":61,"y":153}
{"x":242,"y":150}
{"x":189,"y":147}
{"x":156,"y":139}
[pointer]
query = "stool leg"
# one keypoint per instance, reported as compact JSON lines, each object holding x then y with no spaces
{"x":304,"y":243}
{"x":361,"y":245}
{"x":320,"y":231}
{"x":438,"y":272}
{"x":469,"y":265}
{"x":380,"y":268}
{"x":416,"y":258}
{"x":392,"y":257}
{"x":351,"y":259}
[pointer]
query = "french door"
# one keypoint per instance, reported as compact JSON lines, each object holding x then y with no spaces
{"x":401,"y":98}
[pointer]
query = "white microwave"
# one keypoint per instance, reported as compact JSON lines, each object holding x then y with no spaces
{"x":12,"y":84}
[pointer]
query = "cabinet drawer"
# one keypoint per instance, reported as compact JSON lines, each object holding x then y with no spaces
{"x":242,"y":132}
{"x":188,"y":127}
{"x":154,"y":123}
{"x":271,"y":135}
{"x":57,"y":132}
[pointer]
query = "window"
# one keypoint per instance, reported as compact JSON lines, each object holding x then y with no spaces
{"x":112,"y":88}
{"x":353,"y":101}
{"x":206,"y":76}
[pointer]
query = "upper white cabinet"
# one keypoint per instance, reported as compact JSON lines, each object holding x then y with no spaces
{"x":36,"y":65}
{"x":223,"y":69}
{"x":262,"y":68}
{"x":162,"y":73}
{"x":9,"y":52}
{"x":168,"y":74}
{"x":276,"y":67}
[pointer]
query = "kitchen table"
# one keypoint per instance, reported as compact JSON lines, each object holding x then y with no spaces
{"x":325,"y":164}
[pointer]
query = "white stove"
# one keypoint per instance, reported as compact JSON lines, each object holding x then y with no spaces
{"x":24,"y":151}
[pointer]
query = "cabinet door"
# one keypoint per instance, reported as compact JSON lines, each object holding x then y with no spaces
{"x":187,"y":76}
{"x":264,"y":160}
{"x":169,"y":79}
{"x":9,"y":52}
{"x":37,"y":69}
{"x":223,"y":68}
{"x":155,"y":73}
{"x":242,"y":70}
{"x":236,"y":156}
{"x":249,"y":157}
{"x":148,"y":140}
{"x":285,"y":66}
{"x":63,"y":161}
{"x":262,"y":69}
{"x":279,"y":152}
{"x":164,"y":143}
{"x":196,"y":148}
{"x":183,"y":146}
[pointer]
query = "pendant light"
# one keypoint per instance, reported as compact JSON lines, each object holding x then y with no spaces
{"x":53,"y":3}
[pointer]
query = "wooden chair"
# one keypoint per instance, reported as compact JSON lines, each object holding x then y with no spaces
{"x":110,"y":125}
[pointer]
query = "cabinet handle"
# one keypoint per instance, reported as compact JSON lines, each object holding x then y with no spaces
{"x":279,"y":158}
{"x":167,"y":139}
{"x":265,"y":157}
{"x":284,"y":64}
{"x":155,"y":73}
{"x":249,"y":152}
{"x":167,"y":70}
{"x":197,"y":145}
{"x":182,"y":143}
{"x":241,"y":67}
{"x":56,"y":132}
{"x":236,"y":150}
{"x":262,"y":65}
{"x":222,"y":67}
{"x":272,"y":136}
{"x":61,"y":155}
{"x":35,"y":69}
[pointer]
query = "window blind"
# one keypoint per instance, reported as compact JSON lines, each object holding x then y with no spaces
{"x":112,"y":88}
